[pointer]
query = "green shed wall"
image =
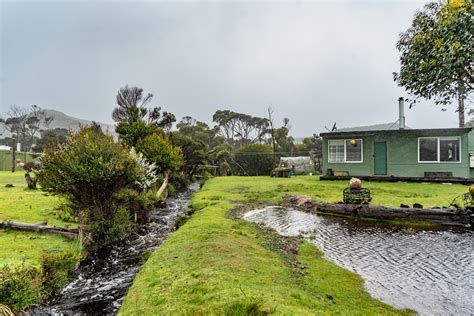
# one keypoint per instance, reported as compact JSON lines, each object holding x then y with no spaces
{"x":6,"y":159}
{"x":402,"y":154}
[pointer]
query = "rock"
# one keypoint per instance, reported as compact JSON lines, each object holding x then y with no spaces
{"x":417,"y":205}
{"x":404,"y":206}
{"x":9,"y":185}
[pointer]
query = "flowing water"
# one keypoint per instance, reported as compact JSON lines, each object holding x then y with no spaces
{"x":103,"y":279}
{"x":428,"y":271}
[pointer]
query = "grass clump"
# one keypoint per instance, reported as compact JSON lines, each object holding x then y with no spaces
{"x":26,"y":285}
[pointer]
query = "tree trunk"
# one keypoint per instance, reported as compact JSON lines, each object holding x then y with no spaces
{"x":30,"y":181}
{"x":446,"y":216}
{"x":68,"y":233}
{"x":461,"y":97}
{"x":13,"y":157}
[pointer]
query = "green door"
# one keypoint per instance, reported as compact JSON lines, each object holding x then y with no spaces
{"x":380,"y":158}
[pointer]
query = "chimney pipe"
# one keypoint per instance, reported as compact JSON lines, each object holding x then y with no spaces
{"x":401,"y":113}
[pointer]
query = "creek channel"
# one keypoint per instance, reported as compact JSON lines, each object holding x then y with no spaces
{"x":429,"y":271}
{"x":102,"y":280}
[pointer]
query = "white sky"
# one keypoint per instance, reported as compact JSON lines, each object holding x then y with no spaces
{"x":314,"y":62}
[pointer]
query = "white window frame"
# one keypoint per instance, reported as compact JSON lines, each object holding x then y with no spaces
{"x":345,"y":151}
{"x":439,"y":138}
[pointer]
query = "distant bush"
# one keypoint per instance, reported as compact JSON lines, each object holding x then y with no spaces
{"x":255,"y":160}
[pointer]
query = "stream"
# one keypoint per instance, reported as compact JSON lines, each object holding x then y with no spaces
{"x":430,"y":272}
{"x":103,"y":279}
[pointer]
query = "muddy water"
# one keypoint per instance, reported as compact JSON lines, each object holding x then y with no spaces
{"x":431,"y":272}
{"x":103,"y":279}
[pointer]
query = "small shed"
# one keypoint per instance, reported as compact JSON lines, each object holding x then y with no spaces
{"x":303,"y":164}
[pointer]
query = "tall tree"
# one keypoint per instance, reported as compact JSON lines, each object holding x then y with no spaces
{"x":240,"y":129}
{"x":135,"y":120}
{"x":437,"y":55}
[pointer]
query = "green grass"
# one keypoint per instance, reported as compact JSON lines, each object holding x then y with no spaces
{"x":214,"y":265}
{"x":31,"y":206}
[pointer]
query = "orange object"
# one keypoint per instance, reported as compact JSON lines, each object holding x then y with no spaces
{"x":471,"y":189}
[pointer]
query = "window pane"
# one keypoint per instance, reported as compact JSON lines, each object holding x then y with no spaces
{"x":336,"y":150}
{"x":354,"y":150}
{"x":449,"y":150}
{"x":429,"y":149}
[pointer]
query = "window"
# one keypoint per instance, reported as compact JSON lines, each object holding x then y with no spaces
{"x":345,"y":150}
{"x":336,"y":151}
{"x":439,"y":149}
{"x":354,"y":150}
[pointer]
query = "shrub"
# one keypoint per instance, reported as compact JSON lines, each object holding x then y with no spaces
{"x":137,"y":203}
{"x":88,"y":170}
{"x":19,"y":288}
{"x":55,"y":270}
{"x":164,"y":155}
{"x":179,"y":180}
{"x":23,"y":286}
{"x":66,"y":213}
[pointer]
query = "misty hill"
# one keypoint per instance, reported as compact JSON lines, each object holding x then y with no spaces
{"x":62,"y":120}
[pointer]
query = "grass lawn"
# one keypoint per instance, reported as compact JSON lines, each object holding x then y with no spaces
{"x":31,"y":206}
{"x":217,"y":265}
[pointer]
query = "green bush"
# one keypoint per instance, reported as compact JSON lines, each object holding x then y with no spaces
{"x":66,"y":213}
{"x":20,"y":287}
{"x":88,"y":170}
{"x":179,"y":180}
{"x":137,"y":203}
{"x":164,"y":155}
{"x":55,"y":270}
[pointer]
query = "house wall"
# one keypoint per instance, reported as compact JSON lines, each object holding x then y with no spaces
{"x":402,"y":154}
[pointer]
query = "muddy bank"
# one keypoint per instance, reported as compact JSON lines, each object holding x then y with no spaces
{"x":437,"y":216}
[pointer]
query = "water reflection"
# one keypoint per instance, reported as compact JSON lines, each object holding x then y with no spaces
{"x":428,"y":271}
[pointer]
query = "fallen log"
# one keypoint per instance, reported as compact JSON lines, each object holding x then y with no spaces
{"x":440,"y":216}
{"x":68,"y":233}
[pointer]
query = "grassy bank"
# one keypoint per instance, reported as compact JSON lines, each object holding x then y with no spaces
{"x":216,"y":265}
{"x":31,"y":206}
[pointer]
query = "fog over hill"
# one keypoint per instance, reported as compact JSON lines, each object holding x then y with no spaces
{"x":62,"y":120}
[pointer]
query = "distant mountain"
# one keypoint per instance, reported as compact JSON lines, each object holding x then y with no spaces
{"x":62,"y":120}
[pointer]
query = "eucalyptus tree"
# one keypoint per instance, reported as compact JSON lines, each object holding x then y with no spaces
{"x":437,"y":54}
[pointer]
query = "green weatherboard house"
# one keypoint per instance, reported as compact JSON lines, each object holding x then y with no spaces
{"x":393,"y":151}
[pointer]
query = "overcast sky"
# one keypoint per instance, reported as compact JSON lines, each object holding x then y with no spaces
{"x":314,"y":62}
